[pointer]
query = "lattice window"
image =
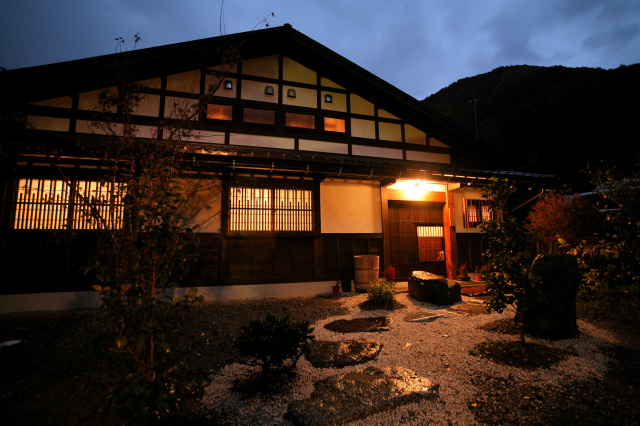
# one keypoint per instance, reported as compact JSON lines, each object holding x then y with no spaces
{"x":55,"y":204}
{"x":430,"y":243}
{"x":475,"y":212}
{"x":280,"y":210}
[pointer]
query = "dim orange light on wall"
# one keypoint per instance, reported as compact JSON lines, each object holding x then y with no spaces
{"x":334,"y":125}
{"x":417,"y":189}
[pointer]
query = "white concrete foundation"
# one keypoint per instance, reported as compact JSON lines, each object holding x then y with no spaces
{"x":91,"y":300}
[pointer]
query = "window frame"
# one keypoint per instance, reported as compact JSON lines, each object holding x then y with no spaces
{"x":57,"y":208}
{"x":221,"y":107}
{"x":312,"y":213}
{"x":272,"y":112}
{"x":476,"y":209}
{"x":291,"y":118}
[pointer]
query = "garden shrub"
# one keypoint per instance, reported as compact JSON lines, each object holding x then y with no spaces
{"x":275,"y":343}
{"x":382,"y":293}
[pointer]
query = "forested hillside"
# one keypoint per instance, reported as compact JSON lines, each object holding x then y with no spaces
{"x":549,"y":119}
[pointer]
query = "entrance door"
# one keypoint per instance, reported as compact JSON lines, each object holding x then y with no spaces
{"x":416,"y":237}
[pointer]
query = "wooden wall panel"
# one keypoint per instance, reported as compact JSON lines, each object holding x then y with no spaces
{"x":470,"y":248}
{"x":403,"y":238}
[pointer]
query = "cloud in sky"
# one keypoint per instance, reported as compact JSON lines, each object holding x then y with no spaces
{"x":418,"y":46}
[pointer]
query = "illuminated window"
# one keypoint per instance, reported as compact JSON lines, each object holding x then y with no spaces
{"x":268,"y":90}
{"x":228,"y":85}
{"x":430,"y":243}
{"x":328,"y":98}
{"x":219,"y":112}
{"x":259,"y":116}
{"x":279,"y":210}
{"x":291,"y":93}
{"x":475,"y":212}
{"x":334,"y":124}
{"x":304,"y":121}
{"x":55,"y":204}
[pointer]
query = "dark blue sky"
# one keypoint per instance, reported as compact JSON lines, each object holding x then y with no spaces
{"x":420,"y":46}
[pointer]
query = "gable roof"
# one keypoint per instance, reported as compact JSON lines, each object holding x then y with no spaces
{"x":21,"y":86}
{"x":65,"y":78}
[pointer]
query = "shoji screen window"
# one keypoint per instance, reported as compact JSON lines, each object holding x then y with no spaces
{"x":56,"y":204}
{"x":475,"y":212}
{"x":270,"y":210}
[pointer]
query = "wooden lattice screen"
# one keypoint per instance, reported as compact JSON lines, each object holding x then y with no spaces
{"x":281,"y":210}
{"x":475,"y":211}
{"x":55,"y":204}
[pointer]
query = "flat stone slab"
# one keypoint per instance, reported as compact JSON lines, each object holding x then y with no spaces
{"x":360,"y":325}
{"x":338,"y":354}
{"x":347,"y":397}
{"x":469,"y":309}
{"x":421,"y":317}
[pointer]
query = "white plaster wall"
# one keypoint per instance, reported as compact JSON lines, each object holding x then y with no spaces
{"x":91,"y":300}
{"x":205,"y":204}
{"x":350,"y":206}
{"x":458,"y":195}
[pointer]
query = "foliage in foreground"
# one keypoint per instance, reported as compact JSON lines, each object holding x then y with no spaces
{"x":146,"y":246}
{"x":614,"y":259}
{"x":275,"y":343}
{"x":382,"y":293}
{"x":528,"y":357}
{"x":508,"y":258}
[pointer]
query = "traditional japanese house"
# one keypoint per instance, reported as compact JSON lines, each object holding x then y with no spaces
{"x":310,"y":160}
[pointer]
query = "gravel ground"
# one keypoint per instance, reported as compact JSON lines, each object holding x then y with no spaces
{"x":43,"y":378}
{"x":472,"y":390}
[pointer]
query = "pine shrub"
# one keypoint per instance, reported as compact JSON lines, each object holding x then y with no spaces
{"x":275,"y":343}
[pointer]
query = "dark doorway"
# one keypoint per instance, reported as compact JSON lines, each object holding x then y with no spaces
{"x":416,"y":234}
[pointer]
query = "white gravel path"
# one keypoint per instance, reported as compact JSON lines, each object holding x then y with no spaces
{"x":437,"y":350}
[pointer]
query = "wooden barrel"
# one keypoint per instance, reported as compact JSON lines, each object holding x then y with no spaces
{"x":366,"y":270}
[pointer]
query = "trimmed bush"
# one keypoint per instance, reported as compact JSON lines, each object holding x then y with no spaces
{"x":382,"y":293}
{"x":275,"y":343}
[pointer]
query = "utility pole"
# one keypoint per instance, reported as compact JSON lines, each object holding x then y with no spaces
{"x":475,"y":117}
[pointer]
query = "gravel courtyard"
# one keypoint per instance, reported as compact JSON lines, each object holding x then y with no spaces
{"x":42,"y":379}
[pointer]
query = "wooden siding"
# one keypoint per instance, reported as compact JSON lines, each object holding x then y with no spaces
{"x":41,"y":261}
{"x":470,"y":248}
{"x":404,"y":217}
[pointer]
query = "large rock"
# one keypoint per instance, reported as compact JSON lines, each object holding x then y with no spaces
{"x":555,"y":316}
{"x":340,"y":399}
{"x":431,"y":288}
{"x":343,"y":353}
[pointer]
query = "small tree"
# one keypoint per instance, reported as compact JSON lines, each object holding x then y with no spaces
{"x":508,"y":258}
{"x":611,"y":263}
{"x":559,"y":221}
{"x":143,"y":256}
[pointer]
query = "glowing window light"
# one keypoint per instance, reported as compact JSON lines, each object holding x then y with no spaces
{"x":334,"y":124}
{"x":55,"y":204}
{"x":282,"y":210}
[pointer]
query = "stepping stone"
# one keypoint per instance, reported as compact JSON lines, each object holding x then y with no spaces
{"x":421,"y":317}
{"x":347,"y":397}
{"x":338,"y":354}
{"x":360,"y":325}
{"x":469,"y":309}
